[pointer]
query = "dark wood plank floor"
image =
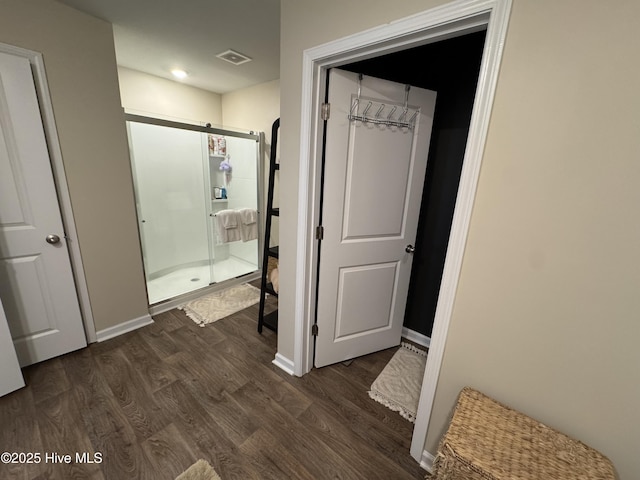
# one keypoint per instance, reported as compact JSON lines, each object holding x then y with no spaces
{"x":154,"y":401}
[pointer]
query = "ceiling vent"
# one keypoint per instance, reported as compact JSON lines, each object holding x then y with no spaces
{"x":234,"y":57}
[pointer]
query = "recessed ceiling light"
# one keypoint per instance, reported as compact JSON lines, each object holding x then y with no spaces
{"x":179,"y":73}
{"x":234,"y":57}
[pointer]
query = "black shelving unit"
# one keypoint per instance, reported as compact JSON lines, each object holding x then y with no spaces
{"x":271,"y":319}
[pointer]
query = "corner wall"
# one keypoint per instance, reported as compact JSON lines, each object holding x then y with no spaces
{"x":256,"y":108}
{"x":79,"y":59}
{"x":303,"y":25}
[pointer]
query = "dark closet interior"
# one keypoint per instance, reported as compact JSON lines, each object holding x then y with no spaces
{"x":449,"y":67}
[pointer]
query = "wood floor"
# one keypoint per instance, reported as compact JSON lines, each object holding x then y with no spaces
{"x":154,"y":401}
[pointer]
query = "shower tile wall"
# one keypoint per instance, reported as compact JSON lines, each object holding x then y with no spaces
{"x":241,"y":193}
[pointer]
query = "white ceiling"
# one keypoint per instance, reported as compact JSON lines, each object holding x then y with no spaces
{"x":155,"y":36}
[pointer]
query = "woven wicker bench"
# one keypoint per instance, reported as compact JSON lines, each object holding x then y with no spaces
{"x":489,"y":441}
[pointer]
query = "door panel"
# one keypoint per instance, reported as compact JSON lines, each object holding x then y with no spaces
{"x":36,"y":281}
{"x":373,"y":181}
{"x":28,"y":315}
{"x":356,"y":318}
{"x":366,"y":186}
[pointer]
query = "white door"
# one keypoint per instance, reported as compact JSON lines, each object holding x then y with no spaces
{"x":10,"y":374}
{"x":374,"y":173}
{"x":36,"y":282}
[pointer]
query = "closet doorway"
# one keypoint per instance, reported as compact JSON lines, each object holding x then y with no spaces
{"x":450,"y":68}
{"x":448,"y":21}
{"x":357,"y":330}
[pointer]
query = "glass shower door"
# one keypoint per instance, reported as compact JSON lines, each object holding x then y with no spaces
{"x":172,"y":214}
{"x":188,"y":178}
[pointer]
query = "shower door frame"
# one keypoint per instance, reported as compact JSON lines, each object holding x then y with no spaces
{"x":258,"y":137}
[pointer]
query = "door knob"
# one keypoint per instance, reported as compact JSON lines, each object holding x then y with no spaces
{"x":410,"y":249}
{"x":52,"y":239}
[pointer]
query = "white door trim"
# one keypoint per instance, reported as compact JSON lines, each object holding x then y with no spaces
{"x":55,"y":153}
{"x":432,"y":25}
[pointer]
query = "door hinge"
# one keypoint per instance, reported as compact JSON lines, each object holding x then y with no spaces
{"x":319,"y":232}
{"x":325,"y":113}
{"x":314,"y":330}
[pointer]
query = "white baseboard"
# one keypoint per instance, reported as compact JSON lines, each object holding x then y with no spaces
{"x":284,"y":363}
{"x":416,"y":337}
{"x":124,"y":327}
{"x":426,"y":461}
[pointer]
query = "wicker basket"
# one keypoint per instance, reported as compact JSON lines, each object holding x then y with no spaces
{"x":488,"y":441}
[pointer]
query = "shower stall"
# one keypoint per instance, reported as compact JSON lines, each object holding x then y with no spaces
{"x":198,"y":204}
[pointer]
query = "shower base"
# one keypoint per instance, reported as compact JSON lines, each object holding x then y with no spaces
{"x":189,"y":279}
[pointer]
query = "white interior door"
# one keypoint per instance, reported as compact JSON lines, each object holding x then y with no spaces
{"x":374,"y":174}
{"x":36,"y":281}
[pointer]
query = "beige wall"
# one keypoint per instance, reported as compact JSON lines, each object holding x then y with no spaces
{"x":256,"y":108}
{"x":546,"y":314}
{"x":79,"y":59}
{"x":146,"y":94}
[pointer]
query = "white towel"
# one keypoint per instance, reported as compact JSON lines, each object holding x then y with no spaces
{"x":248,"y":215}
{"x":227,"y":226}
{"x":228,"y":218}
{"x":248,"y":224}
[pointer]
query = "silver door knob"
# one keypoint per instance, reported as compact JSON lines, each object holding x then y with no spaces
{"x":52,"y":239}
{"x":410,"y":249}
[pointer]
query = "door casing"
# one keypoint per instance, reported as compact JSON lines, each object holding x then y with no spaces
{"x":449,"y":20}
{"x":62,"y":188}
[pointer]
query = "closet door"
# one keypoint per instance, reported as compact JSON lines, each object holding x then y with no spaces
{"x":36,"y":281}
{"x":374,"y":174}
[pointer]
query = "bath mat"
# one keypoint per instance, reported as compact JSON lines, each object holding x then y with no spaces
{"x":217,"y":305}
{"x":200,"y":470}
{"x":398,"y":385}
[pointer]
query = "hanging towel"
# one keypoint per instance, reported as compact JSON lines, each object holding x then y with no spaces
{"x":227,"y":226}
{"x":248,"y":223}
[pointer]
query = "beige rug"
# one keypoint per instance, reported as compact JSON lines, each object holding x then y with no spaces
{"x":398,"y":385}
{"x":213,"y":307}
{"x":200,"y":470}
